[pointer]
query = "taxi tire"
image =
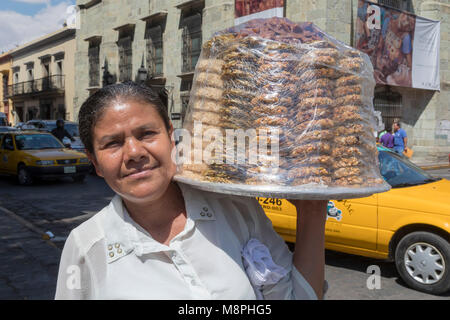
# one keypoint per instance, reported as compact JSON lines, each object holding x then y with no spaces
{"x":23,"y":176}
{"x":441,"y":245}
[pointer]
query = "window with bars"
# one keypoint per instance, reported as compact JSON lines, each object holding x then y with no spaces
{"x":184,"y":106}
{"x":390,"y":105}
{"x":154,"y":50}
{"x":5,"y":86}
{"x":125,"y":58}
{"x":192,"y":40}
{"x":397,"y":4}
{"x":29,"y":85}
{"x":185,"y":88}
{"x":94,"y":64}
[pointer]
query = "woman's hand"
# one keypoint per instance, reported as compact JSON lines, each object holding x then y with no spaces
{"x":309,"y":254}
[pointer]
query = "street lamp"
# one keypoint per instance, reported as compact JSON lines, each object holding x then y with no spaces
{"x":142,"y":73}
{"x":108,"y":78}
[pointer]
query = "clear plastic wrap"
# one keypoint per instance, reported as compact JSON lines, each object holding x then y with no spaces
{"x":280,"y":109}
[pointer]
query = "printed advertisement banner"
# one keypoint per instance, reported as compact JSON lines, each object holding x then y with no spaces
{"x":246,"y":10}
{"x":403,"y":48}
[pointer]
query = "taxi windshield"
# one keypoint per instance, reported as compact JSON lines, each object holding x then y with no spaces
{"x":37,"y":142}
{"x":400,"y":172}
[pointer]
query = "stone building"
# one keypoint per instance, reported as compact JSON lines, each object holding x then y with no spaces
{"x":43,"y":77}
{"x":122,"y":40}
{"x":117,"y":38}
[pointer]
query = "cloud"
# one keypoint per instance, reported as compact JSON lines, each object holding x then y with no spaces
{"x":34,"y":1}
{"x":17,"y":29}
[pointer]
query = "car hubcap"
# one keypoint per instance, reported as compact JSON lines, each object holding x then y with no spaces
{"x":424,"y":263}
{"x":22,"y":176}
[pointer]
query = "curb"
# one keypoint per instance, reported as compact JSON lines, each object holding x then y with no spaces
{"x":436,"y":167}
{"x":43,"y":236}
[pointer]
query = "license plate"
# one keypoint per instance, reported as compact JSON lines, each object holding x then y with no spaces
{"x":70,"y":170}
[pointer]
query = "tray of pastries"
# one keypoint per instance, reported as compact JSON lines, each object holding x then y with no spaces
{"x":281,"y":109}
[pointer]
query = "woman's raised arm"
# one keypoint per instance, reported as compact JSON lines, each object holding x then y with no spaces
{"x":309,"y":254}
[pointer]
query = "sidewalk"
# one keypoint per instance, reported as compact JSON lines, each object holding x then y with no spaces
{"x":29,"y":264}
{"x":433,"y":166}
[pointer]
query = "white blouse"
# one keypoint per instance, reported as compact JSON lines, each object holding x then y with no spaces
{"x":110,"y":256}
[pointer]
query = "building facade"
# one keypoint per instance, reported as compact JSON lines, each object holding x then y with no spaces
{"x":6,"y":78}
{"x":117,"y":39}
{"x":43,"y":74}
{"x":122,"y":40}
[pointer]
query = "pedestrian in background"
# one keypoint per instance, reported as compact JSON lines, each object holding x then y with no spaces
{"x":60,"y":132}
{"x":400,"y":138}
{"x":387,"y":139}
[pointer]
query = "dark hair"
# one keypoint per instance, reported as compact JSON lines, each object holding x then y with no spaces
{"x":93,"y":108}
{"x":398,"y":124}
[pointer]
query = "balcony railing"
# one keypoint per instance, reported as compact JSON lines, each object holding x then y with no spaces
{"x":42,"y":85}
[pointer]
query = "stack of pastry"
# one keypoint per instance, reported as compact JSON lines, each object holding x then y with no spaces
{"x":308,"y":100}
{"x":275,"y":81}
{"x":205,"y":111}
{"x":312,"y":124}
{"x":354,"y":150}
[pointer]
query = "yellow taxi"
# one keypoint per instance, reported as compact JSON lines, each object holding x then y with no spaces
{"x":409,"y":224}
{"x":32,"y":154}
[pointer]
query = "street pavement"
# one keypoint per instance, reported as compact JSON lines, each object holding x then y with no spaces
{"x":28,"y":268}
{"x":29,"y":264}
{"x":441,"y":173}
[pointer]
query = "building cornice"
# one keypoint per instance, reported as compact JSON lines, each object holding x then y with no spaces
{"x":160,"y":15}
{"x":126,"y":26}
{"x":43,"y":41}
{"x":190,"y":3}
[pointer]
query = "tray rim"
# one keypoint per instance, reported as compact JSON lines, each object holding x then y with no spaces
{"x":312,"y":192}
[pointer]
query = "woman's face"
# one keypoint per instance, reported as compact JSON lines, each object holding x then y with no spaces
{"x":133,"y":151}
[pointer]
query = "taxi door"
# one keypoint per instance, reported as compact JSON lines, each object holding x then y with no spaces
{"x":7,"y":154}
{"x":352,"y":223}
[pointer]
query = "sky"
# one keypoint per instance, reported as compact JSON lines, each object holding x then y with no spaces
{"x":22,"y":21}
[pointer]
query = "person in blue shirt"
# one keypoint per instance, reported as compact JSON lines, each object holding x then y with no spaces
{"x":400,"y":138}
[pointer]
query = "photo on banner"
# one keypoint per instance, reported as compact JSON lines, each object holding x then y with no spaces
{"x":401,"y":46}
{"x":246,"y":10}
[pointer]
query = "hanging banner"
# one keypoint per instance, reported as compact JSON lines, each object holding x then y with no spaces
{"x":246,"y":10}
{"x":403,"y":48}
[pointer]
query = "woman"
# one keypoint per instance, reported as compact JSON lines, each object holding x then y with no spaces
{"x":159,"y":239}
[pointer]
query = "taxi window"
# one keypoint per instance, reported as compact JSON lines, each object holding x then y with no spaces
{"x":401,"y":173}
{"x":37,"y":142}
{"x":7,"y":143}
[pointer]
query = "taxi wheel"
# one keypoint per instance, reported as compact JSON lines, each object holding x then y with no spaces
{"x":23,"y":176}
{"x":423,"y":261}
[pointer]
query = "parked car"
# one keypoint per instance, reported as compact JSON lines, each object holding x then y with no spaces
{"x":36,"y":154}
{"x":409,"y":224}
{"x":70,"y":126}
{"x":19,"y":125}
{"x":7,"y":129}
{"x":3,"y":120}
